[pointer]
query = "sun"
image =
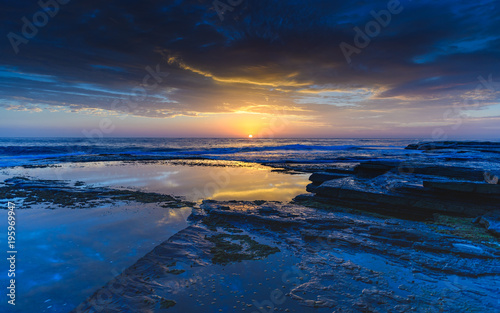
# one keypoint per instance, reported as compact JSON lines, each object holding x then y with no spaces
{"x":250,"y":136}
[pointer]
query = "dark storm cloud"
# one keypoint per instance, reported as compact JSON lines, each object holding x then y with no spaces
{"x":94,"y":52}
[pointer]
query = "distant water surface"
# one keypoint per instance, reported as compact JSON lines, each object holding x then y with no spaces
{"x":18,"y":151}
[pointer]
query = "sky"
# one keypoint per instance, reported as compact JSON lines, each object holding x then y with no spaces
{"x":230,"y":68}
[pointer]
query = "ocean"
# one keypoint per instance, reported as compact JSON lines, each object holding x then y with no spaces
{"x":20,"y":151}
{"x":343,"y":152}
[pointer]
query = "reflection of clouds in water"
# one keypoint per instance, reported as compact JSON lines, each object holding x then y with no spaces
{"x":83,"y":246}
{"x":76,"y":250}
{"x":181,"y":179}
{"x":271,"y":186}
{"x":174,"y":216}
{"x":170,"y":184}
{"x":168,"y":179}
{"x":269,"y":194}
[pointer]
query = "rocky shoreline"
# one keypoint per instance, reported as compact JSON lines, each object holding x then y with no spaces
{"x":346,"y":262}
{"x":414,"y":190}
{"x":416,"y":233}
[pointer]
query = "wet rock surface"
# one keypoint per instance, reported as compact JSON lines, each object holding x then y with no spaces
{"x":411,"y":196}
{"x":321,"y":177}
{"x":443,"y":178}
{"x":491,"y":222}
{"x":57,"y":194}
{"x":269,"y":256}
{"x":464,"y":186}
{"x":484,"y":146}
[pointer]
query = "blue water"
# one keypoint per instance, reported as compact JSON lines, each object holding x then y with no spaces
{"x":64,"y":255}
{"x":21,"y":151}
{"x":342,"y":152}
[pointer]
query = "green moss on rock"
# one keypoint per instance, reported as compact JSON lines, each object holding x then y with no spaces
{"x":231,"y":248}
{"x":165,"y":304}
{"x":463,"y":227}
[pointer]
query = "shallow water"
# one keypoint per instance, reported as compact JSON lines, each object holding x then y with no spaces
{"x":65,"y":254}
{"x":216,"y":180}
{"x":248,"y":286}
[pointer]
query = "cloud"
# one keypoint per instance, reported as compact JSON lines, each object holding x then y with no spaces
{"x":264,"y":55}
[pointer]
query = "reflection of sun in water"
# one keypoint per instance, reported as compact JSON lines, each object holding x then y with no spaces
{"x":250,"y":136}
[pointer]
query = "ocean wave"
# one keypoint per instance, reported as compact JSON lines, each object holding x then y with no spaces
{"x":69,"y":150}
{"x":20,"y":151}
{"x":294,"y":147}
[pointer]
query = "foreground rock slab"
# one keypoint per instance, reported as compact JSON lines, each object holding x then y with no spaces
{"x":491,"y":222}
{"x":268,"y":256}
{"x":481,"y":146}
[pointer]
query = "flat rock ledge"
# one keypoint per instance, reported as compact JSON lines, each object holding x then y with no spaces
{"x":236,"y":253}
{"x":481,"y":146}
{"x":411,"y":190}
{"x":491,"y":222}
